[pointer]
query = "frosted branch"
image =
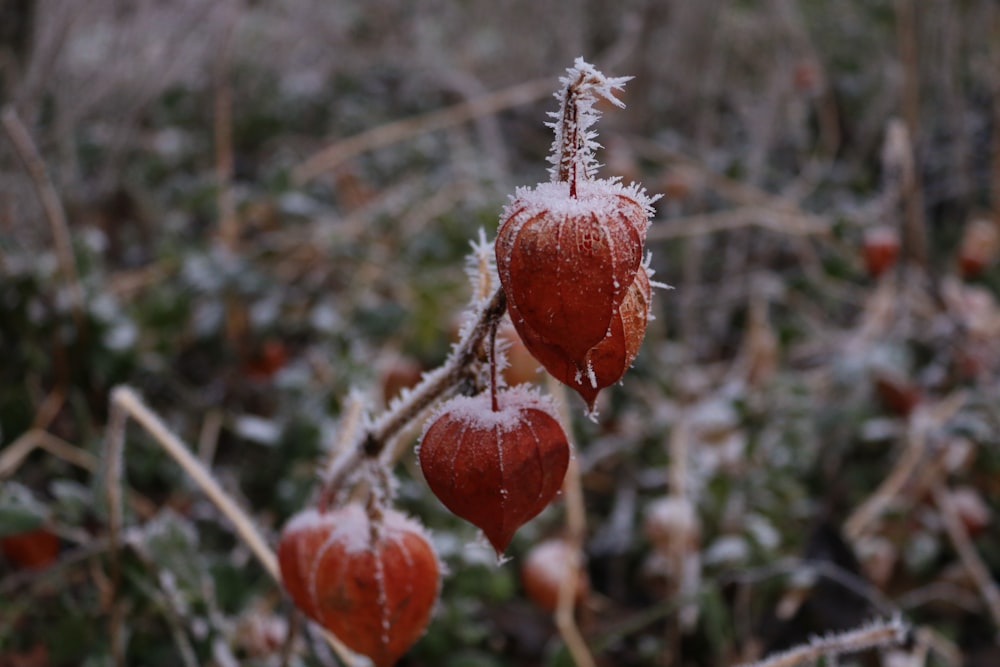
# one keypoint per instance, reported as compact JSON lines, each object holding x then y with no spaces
{"x":458,"y":368}
{"x":572,"y":156}
{"x":877,"y":634}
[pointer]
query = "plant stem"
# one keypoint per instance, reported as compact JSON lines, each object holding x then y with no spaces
{"x":570,"y":140}
{"x":457,"y":370}
{"x":882,"y":633}
{"x":493,"y":367}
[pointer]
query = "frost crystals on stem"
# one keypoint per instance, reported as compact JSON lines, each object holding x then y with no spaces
{"x":573,"y":149}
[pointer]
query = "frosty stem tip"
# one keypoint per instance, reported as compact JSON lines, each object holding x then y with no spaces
{"x":573,"y":148}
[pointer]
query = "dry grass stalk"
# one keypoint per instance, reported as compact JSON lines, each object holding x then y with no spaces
{"x":28,"y":153}
{"x":576,"y":532}
{"x":912,"y":192}
{"x":778,"y":220}
{"x":970,"y":559}
{"x":14,"y":454}
{"x":907,"y":466}
{"x":125,"y":404}
{"x":229,"y":232}
{"x":330,"y":157}
{"x":878,"y":634}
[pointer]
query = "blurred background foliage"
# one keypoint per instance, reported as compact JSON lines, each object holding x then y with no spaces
{"x":830,"y":174}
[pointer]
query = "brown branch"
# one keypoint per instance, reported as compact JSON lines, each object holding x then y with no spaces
{"x":229,"y":232}
{"x":970,"y":559}
{"x":28,"y":153}
{"x":456,"y":370}
{"x":879,"y":634}
{"x":576,"y":533}
{"x":911,"y":192}
{"x":330,"y":157}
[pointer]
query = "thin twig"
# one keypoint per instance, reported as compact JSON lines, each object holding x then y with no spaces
{"x":208,"y":438}
{"x":881,"y":633}
{"x":921,"y":421}
{"x":114,"y":453}
{"x":14,"y":454}
{"x":128,"y":404}
{"x":332,"y":156}
{"x":576,"y":532}
{"x":125,"y":403}
{"x":735,"y":191}
{"x":912,"y":192}
{"x":383,"y":430}
{"x":26,"y":150}
{"x":229,"y":232}
{"x":778,"y":220}
{"x":971,"y":561}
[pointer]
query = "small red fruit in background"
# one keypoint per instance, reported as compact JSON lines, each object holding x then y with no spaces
{"x":546,"y":567}
{"x":266,"y":360}
{"x":495,"y":468}
{"x":33,"y":549}
{"x":896,"y":393}
{"x":880,"y":249}
{"x":371,"y":582}
{"x":978,"y":248}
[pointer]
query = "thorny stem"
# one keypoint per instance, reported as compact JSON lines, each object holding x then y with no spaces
{"x":457,"y":370}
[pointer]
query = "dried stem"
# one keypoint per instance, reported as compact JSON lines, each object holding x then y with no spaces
{"x":572,"y":155}
{"x":912,"y":193}
{"x":456,"y":370}
{"x":26,"y":150}
{"x":385,"y":135}
{"x":229,"y":232}
{"x":881,"y":633}
{"x":14,"y":454}
{"x":971,"y":561}
{"x":576,"y":532}
{"x":906,"y":467}
{"x":125,"y":403}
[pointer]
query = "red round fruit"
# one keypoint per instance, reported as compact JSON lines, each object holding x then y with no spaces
{"x":32,"y":549}
{"x":880,"y":249}
{"x":497,"y":469}
{"x":566,"y":262}
{"x":569,"y":266}
{"x":373,"y":584}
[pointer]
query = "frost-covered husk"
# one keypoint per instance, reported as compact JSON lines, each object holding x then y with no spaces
{"x":600,"y":197}
{"x":351,"y":527}
{"x":478,"y":411}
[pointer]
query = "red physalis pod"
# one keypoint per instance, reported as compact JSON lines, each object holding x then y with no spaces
{"x":373,"y":584}
{"x":569,"y":251}
{"x":497,"y":468}
{"x":606,"y":362}
{"x":566,"y":262}
{"x":33,"y":549}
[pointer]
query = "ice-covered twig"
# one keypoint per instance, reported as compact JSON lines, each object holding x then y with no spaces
{"x":457,"y":369}
{"x":880,"y":633}
{"x":572,"y":156}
